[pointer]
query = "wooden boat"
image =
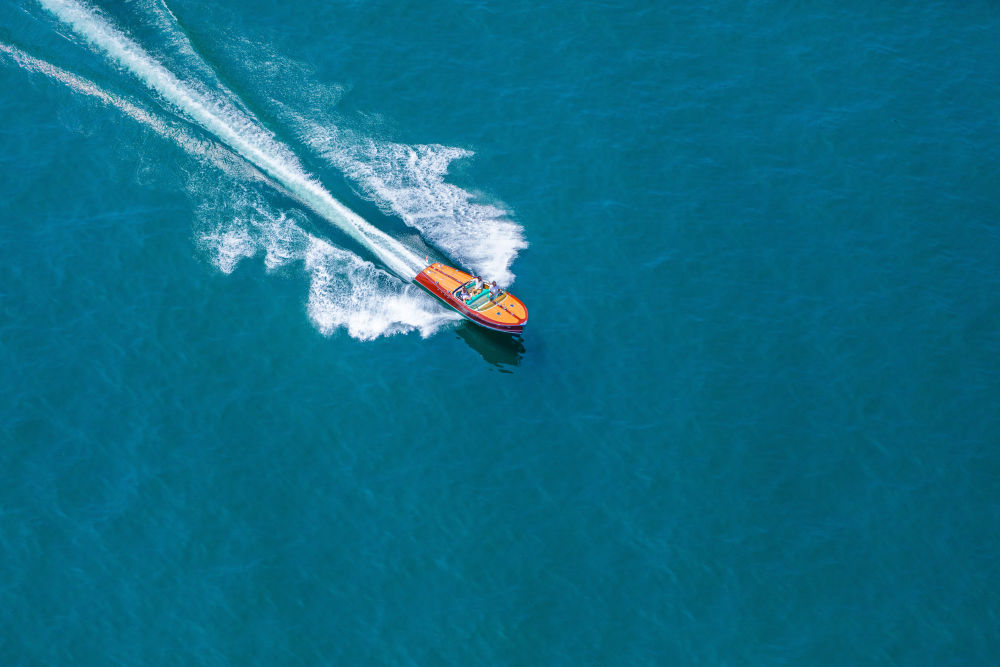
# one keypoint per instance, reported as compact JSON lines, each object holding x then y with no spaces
{"x":504,"y":313}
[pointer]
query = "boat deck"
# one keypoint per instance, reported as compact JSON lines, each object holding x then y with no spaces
{"x":505,"y":313}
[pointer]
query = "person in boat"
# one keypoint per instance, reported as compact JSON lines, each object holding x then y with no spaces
{"x":477,"y":284}
{"x":463,"y":293}
{"x":494,"y":290}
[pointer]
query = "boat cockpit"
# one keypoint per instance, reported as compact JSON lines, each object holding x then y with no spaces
{"x":475,"y":299}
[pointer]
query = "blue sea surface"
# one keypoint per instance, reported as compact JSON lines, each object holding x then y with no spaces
{"x":754,"y":417}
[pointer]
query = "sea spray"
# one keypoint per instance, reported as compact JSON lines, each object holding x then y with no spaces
{"x":236,"y":130}
{"x":408,"y":181}
{"x":235,"y":222}
{"x":345,"y":291}
{"x":219,"y":156}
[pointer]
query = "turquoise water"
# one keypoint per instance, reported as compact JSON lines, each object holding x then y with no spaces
{"x":753,"y":418}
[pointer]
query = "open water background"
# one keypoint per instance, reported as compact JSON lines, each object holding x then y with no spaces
{"x":753,"y":420}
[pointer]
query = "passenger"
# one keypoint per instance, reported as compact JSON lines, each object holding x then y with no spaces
{"x":463,"y":293}
{"x":478,"y":284}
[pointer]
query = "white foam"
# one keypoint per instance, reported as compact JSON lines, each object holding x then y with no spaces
{"x":235,"y":129}
{"x":345,"y":292}
{"x":229,"y":245}
{"x":294,"y":81}
{"x":409,"y":181}
{"x":236,"y":223}
{"x":217,"y":155}
{"x":161,"y":18}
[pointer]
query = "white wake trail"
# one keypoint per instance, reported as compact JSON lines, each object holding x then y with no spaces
{"x":239,"y":132}
{"x":344,"y":290}
{"x":237,"y":223}
{"x":406,"y":181}
{"x":214,"y":153}
{"x":409,"y":181}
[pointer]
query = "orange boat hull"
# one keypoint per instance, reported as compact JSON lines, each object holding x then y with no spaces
{"x":506,"y":313}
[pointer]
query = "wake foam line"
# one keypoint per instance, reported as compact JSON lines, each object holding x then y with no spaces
{"x":217,"y":155}
{"x":344,"y":290}
{"x":409,"y":181}
{"x":243,"y":135}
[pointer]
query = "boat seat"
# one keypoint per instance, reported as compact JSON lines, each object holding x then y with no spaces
{"x":478,"y":298}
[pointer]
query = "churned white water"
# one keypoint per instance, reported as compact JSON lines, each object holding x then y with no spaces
{"x":236,"y":129}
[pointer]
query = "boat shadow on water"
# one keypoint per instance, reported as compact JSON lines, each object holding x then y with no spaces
{"x":500,"y":350}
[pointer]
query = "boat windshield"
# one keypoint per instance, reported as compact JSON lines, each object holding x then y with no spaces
{"x":467,"y":287}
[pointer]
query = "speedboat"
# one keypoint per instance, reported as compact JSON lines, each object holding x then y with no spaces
{"x":505,"y":312}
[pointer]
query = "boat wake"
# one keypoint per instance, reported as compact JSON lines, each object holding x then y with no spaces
{"x":408,"y":181}
{"x":210,"y":152}
{"x":234,"y":128}
{"x":346,"y":292}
